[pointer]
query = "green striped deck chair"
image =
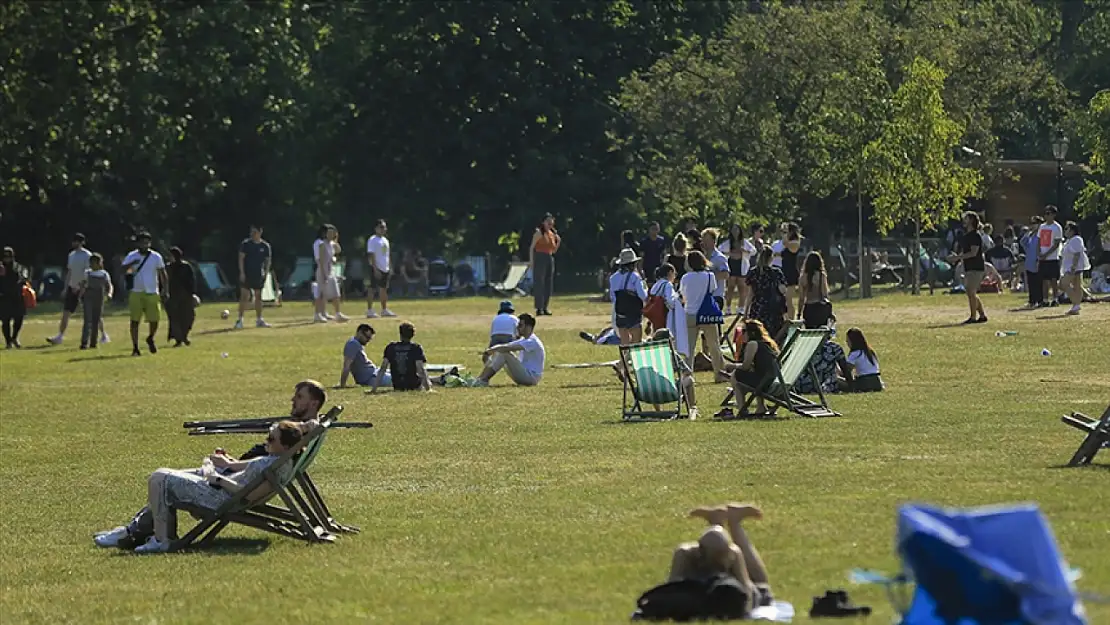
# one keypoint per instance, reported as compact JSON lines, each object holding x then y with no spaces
{"x":651,"y":377}
{"x":295,"y":519}
{"x":795,"y":358}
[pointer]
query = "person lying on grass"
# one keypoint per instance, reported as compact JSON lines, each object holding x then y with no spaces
{"x":686,"y":374}
{"x":733,"y":553}
{"x":527,"y":370}
{"x":308,"y":399}
{"x":168,"y":488}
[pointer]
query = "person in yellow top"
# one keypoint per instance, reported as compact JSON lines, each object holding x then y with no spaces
{"x":541,"y":260}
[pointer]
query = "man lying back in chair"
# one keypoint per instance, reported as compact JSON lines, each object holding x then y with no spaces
{"x":308,"y":400}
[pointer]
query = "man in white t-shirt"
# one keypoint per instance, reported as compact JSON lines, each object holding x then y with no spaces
{"x":77,"y":263}
{"x":527,"y":370}
{"x":1050,"y":236}
{"x":377,"y":263}
{"x":148,"y":274}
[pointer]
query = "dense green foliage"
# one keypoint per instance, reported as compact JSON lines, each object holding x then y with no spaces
{"x":463,"y":121}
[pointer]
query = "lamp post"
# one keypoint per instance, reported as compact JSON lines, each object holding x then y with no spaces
{"x":1060,"y":152}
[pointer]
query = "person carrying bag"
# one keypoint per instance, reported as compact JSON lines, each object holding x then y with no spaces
{"x":704,"y":316}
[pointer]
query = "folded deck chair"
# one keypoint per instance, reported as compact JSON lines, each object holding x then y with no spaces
{"x":1098,"y":436}
{"x":796,"y":357}
{"x":297,"y":519}
{"x":650,"y":377}
{"x":512,"y":280}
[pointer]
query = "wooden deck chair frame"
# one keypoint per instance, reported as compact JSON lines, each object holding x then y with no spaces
{"x":1098,"y":436}
{"x":779,"y":391}
{"x":633,"y":390}
{"x":516,"y":270}
{"x":726,"y":338}
{"x":295,"y":521}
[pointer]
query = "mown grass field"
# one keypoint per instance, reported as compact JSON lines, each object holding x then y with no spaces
{"x":507,"y":505}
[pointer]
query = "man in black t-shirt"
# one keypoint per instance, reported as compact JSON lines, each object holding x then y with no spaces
{"x":971,"y":255}
{"x":1002,"y":258}
{"x":405,"y":360}
{"x":652,"y":250}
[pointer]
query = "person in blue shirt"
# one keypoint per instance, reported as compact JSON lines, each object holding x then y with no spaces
{"x":1031,"y":246}
{"x":355,"y":362}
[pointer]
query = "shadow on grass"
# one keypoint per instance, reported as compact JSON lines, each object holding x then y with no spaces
{"x":1060,"y":316}
{"x":100,"y":357}
{"x":957,"y":324}
{"x":1088,"y":467}
{"x":224,"y":547}
{"x":586,"y":385}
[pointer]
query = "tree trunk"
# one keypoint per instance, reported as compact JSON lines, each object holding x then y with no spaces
{"x":916,"y":264}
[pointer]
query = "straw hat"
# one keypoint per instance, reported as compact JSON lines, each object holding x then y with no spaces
{"x":627,"y":257}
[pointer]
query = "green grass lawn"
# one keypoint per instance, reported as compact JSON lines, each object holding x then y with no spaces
{"x":510,"y":505}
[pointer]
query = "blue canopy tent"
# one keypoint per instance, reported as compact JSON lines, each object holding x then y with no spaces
{"x":985,"y":566}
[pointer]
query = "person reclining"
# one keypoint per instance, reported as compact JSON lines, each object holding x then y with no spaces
{"x":526,"y":370}
{"x":757,"y":365}
{"x":308,"y":398}
{"x":716,"y":552}
{"x":355,"y":361}
{"x":206,"y":488}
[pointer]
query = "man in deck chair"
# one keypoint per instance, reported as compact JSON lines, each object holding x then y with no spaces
{"x":207,"y":488}
{"x":308,"y":398}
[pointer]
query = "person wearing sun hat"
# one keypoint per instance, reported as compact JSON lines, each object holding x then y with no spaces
{"x":629,"y":294}
{"x":503,"y":328}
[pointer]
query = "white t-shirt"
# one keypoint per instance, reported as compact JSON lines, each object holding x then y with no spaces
{"x":718,"y":262}
{"x":1074,"y":256}
{"x":379,"y":247}
{"x":694,"y":286}
{"x":777,"y":247}
{"x":1048,"y":234}
{"x":77,"y":264}
{"x":862,"y":364}
{"x":146,"y":279}
{"x":504,"y":324}
{"x":533,"y":355}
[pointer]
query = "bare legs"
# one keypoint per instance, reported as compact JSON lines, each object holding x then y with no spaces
{"x":730,"y":516}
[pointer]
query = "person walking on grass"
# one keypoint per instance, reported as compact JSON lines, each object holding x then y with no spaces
{"x":148,"y":275}
{"x":541,"y":260}
{"x":695,"y":287}
{"x":404,"y":363}
{"x":629,"y":295}
{"x":356,"y":363}
{"x":95,"y":288}
{"x":971,"y":255}
{"x":13,"y":308}
{"x":653,"y":247}
{"x":527,"y":370}
{"x":1074,"y":261}
{"x":255,"y":256}
{"x":181,"y":305}
{"x":76,"y":264}
{"x":378,"y":264}
{"x":1051,"y":236}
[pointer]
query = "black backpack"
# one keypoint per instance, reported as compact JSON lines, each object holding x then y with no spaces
{"x":627,"y":303}
{"x":720,"y":597}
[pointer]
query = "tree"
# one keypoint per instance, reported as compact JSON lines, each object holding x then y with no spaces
{"x":911,"y":171}
{"x":1094,"y":128}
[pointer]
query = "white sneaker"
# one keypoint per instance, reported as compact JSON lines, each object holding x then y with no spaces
{"x":153,"y":545}
{"x":238,"y":325}
{"x":341,"y":318}
{"x":55,"y":340}
{"x":478,"y":383}
{"x":318,"y":318}
{"x":370,"y":314}
{"x":388,"y":313}
{"x":328,"y":317}
{"x":261,"y":323}
{"x":110,"y":538}
{"x":104,"y":338}
{"x":693,"y":414}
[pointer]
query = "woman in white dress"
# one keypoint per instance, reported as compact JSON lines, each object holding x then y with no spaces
{"x":1074,"y":262}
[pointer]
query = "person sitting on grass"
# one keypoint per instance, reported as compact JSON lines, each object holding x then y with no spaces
{"x":757,"y":364}
{"x":865,"y":364}
{"x":406,"y":361}
{"x":526,"y":370}
{"x":355,"y":361}
{"x":308,"y":399}
{"x":733,"y":554}
{"x":503,"y":328}
{"x":209,"y":489}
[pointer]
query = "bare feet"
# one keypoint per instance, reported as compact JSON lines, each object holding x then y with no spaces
{"x":714,"y":515}
{"x":741,"y":511}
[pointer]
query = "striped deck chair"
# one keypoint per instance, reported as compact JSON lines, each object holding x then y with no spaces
{"x":796,"y":357}
{"x":650,"y":377}
{"x":295,"y":520}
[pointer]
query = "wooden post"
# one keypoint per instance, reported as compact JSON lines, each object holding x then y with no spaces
{"x":865,"y":272}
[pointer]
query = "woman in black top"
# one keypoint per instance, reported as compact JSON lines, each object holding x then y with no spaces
{"x":971,"y":255}
{"x":766,"y":293}
{"x":12,"y":306}
{"x":677,"y":257}
{"x":757,"y":364}
{"x":180,"y":305}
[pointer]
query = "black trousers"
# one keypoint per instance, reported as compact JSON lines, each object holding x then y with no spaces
{"x":182,"y":313}
{"x":1034,"y":286}
{"x":11,"y":316}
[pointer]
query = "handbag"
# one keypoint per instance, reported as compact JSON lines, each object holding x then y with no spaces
{"x":656,"y":309}
{"x":30,"y":299}
{"x":129,"y":278}
{"x":709,"y":313}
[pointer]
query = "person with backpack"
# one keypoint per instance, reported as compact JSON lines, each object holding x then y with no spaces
{"x":629,"y":295}
{"x":664,"y":309}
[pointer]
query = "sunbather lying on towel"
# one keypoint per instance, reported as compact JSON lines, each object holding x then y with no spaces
{"x":204,"y":487}
{"x":717,"y":552}
{"x":308,"y":399}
